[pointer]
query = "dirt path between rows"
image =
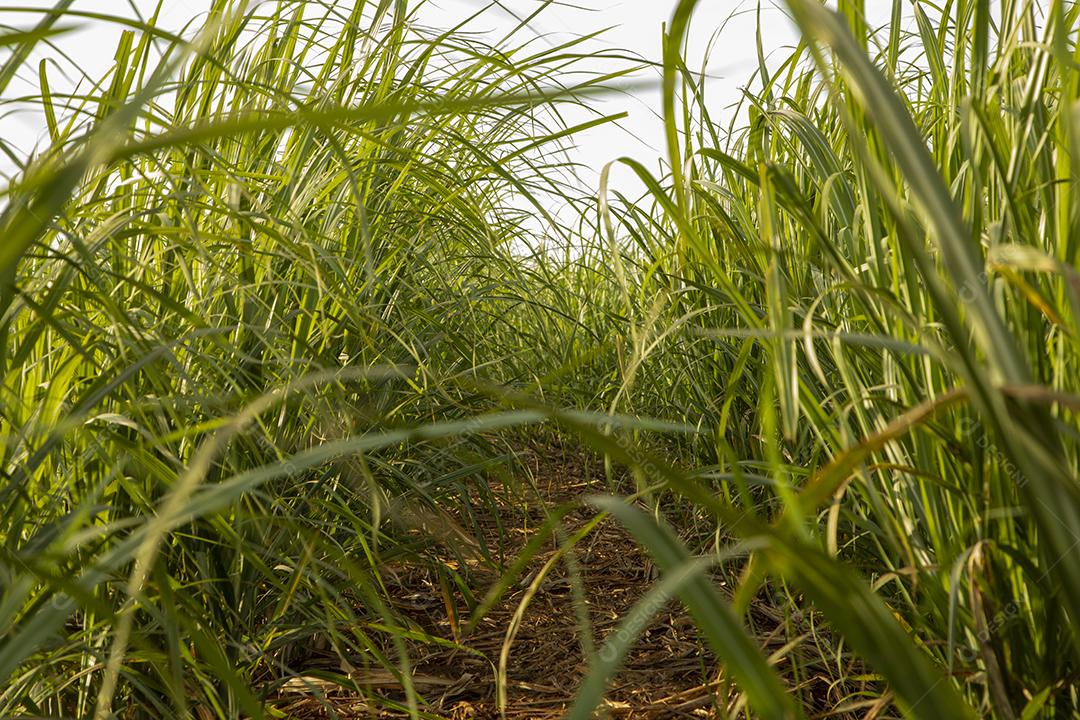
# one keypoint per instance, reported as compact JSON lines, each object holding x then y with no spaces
{"x":669,"y":674}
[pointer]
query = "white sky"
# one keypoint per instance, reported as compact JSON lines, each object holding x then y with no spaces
{"x":635,"y":25}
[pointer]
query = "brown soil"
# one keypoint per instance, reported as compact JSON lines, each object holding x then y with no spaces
{"x":669,"y":674}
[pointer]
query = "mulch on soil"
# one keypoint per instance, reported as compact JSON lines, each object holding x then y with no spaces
{"x":670,"y":673}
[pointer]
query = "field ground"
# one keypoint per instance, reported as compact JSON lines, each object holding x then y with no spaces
{"x":671,"y":672}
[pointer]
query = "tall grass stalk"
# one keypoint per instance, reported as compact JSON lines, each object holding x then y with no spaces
{"x":877,"y":302}
{"x":270,"y":296}
{"x":249,"y":287}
